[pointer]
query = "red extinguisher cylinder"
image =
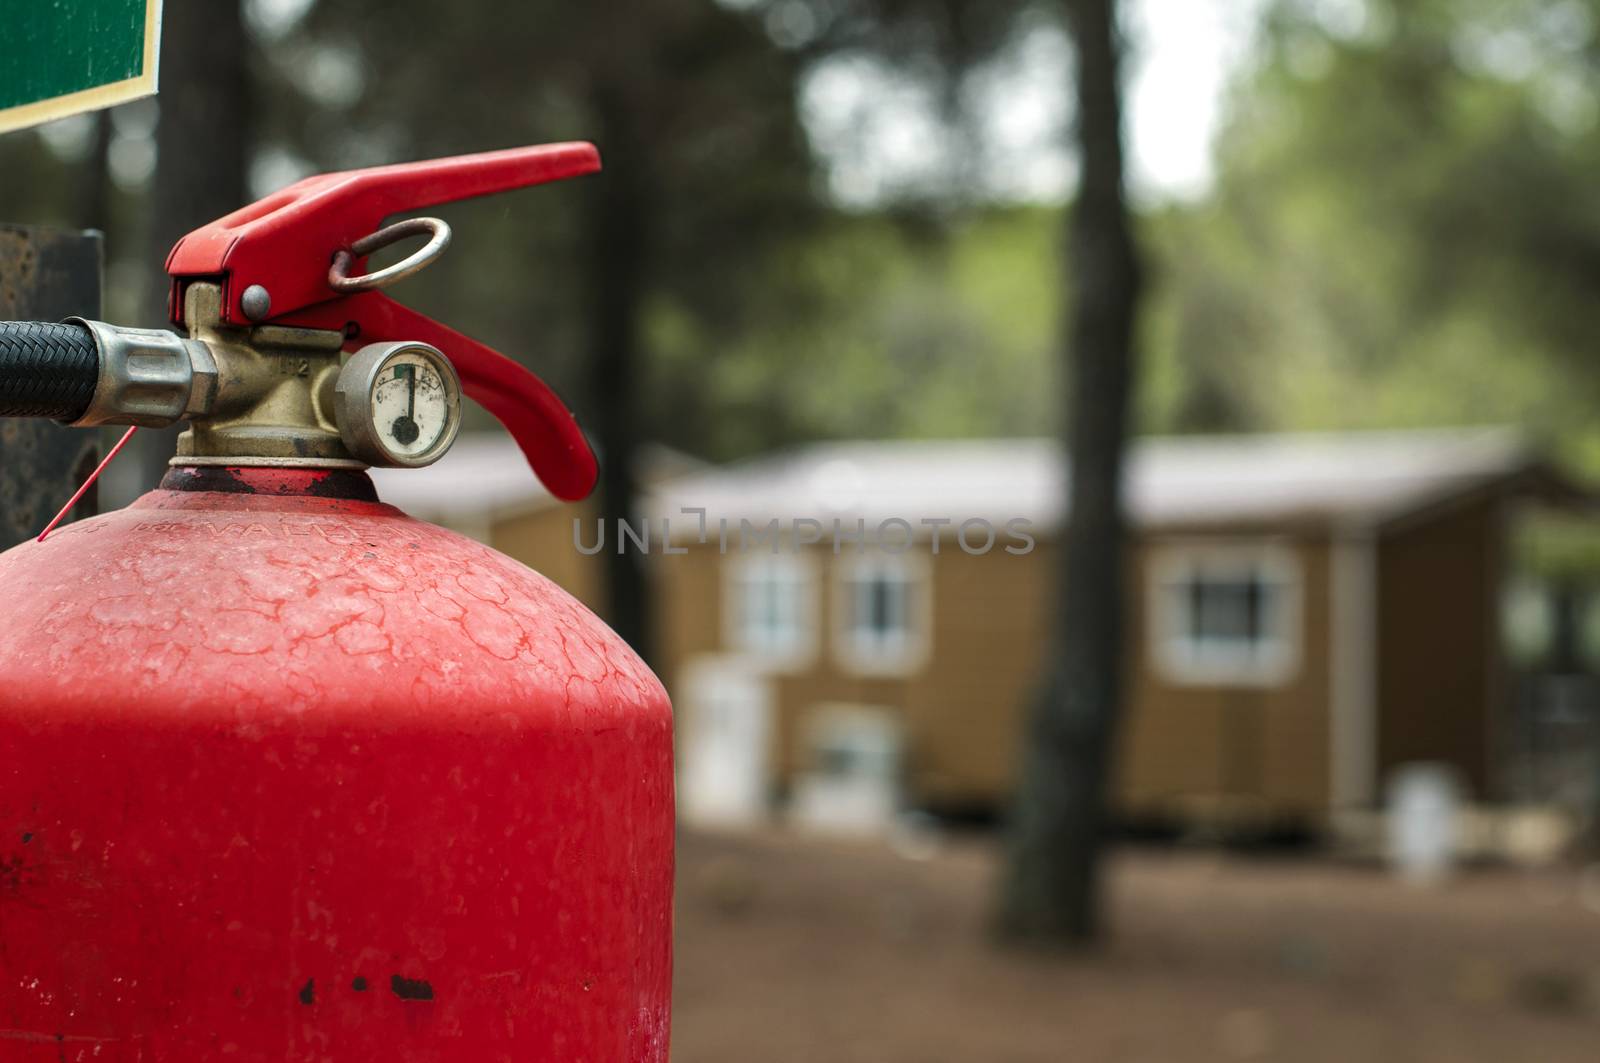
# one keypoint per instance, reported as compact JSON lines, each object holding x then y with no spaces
{"x":286,"y":775}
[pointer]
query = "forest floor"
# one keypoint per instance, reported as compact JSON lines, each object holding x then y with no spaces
{"x":802,"y":951}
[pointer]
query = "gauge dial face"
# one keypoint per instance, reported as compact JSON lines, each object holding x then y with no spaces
{"x":397,"y":404}
{"x":411,"y":404}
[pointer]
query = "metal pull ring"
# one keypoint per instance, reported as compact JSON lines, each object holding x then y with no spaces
{"x":339,"y":278}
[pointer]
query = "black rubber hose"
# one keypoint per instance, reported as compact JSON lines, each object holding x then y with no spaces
{"x":46,"y":370}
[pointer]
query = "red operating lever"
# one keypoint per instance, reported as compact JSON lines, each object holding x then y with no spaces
{"x":285,"y":243}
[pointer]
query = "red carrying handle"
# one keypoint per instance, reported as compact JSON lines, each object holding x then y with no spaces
{"x":286,"y":242}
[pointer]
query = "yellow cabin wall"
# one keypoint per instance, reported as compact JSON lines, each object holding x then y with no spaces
{"x":542,"y":539}
{"x":963,"y":712}
{"x":1183,"y":748}
{"x":1441,"y":684}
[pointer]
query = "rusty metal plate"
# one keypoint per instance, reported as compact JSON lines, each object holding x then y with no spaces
{"x":45,"y":275}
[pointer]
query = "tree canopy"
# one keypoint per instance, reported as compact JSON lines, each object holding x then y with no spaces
{"x":1403,"y":227}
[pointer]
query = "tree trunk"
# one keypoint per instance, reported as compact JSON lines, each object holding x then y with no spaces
{"x":1051,"y":889}
{"x":203,"y":136}
{"x":618,"y":233}
{"x":203,"y":140}
{"x":94,"y":191}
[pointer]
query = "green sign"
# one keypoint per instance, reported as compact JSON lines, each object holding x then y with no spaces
{"x":65,"y":56}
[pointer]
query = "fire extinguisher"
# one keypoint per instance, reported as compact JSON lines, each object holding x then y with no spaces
{"x":286,"y":774}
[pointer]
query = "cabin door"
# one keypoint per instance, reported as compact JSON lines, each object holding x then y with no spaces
{"x":724,"y":764}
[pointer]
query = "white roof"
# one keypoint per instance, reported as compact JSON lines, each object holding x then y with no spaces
{"x":484,"y":475}
{"x":481,"y":476}
{"x":1353,"y":476}
{"x":1365,"y":476}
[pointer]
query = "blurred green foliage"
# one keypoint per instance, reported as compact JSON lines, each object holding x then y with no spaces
{"x":1404,"y":227}
{"x":1559,"y":547}
{"x":906,"y":331}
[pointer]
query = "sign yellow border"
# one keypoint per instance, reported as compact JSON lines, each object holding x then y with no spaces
{"x":31,"y":114}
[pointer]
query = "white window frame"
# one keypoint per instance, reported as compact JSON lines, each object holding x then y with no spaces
{"x":903,"y":655}
{"x":1270,"y":661}
{"x":799,"y":571}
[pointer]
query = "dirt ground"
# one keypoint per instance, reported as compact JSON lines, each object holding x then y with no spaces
{"x":800,"y":950}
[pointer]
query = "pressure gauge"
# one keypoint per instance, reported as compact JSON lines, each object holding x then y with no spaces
{"x":398,"y":404}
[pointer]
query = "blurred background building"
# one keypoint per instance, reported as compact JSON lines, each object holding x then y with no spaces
{"x":1310,"y":614}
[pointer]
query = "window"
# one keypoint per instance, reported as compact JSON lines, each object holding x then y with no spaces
{"x":1226,"y":614}
{"x":771,"y":608}
{"x":851,"y":741}
{"x":882,"y":614}
{"x":850,"y":779}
